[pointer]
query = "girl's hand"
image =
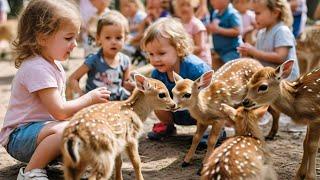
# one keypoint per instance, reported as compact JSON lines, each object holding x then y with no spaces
{"x":99,"y":95}
{"x":129,"y":85}
{"x":246,"y":50}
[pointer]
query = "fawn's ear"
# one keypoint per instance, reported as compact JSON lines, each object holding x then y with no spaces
{"x":205,"y":80}
{"x":259,"y":112}
{"x":142,"y":82}
{"x":176,"y":77}
{"x":284,"y":70}
{"x":230,"y":111}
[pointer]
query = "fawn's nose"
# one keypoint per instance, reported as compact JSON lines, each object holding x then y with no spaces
{"x":245,"y":102}
{"x":173,"y":106}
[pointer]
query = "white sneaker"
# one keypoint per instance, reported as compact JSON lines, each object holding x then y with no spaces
{"x":34,"y":174}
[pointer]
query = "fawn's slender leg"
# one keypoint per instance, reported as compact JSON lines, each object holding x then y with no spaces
{"x":313,"y":142}
{"x":118,"y":171}
{"x":133,"y":153}
{"x":195,"y":141}
{"x":275,"y":123}
{"x":214,"y":134}
{"x":304,"y":163}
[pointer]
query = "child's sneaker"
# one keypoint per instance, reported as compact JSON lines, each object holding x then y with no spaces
{"x":161,"y":130}
{"x":34,"y":174}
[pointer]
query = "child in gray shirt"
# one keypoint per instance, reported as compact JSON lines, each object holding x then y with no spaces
{"x":275,"y":41}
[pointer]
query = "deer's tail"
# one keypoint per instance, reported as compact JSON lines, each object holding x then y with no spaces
{"x":72,"y":148}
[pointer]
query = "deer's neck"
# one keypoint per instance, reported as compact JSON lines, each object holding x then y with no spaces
{"x":251,"y":130}
{"x":285,"y":99}
{"x":198,"y":106}
{"x":138,"y":103}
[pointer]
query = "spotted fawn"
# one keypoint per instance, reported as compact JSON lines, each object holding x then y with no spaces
{"x":299,"y":99}
{"x":308,"y":46}
{"x":203,"y":98}
{"x":98,"y":134}
{"x":243,"y":156}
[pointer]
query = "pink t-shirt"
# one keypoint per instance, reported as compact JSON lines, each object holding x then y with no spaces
{"x":25,"y":106}
{"x":195,"y":26}
{"x":248,"y":19}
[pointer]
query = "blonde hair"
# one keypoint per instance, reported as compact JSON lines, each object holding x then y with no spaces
{"x":113,"y":17}
{"x":41,"y":17}
{"x":281,"y":5}
{"x":172,"y":30}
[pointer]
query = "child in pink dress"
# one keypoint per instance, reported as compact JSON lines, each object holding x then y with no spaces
{"x":185,"y":11}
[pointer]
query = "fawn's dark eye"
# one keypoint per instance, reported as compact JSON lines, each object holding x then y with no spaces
{"x":162,"y":95}
{"x":187,"y":95}
{"x":263,"y":88}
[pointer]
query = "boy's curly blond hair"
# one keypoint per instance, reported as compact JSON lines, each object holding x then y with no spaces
{"x":41,"y":17}
{"x":171,"y":29}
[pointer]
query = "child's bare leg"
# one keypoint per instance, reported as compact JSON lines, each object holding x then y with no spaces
{"x":48,"y":145}
{"x":164,"y":116}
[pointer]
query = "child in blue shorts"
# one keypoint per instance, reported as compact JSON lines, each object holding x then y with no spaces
{"x":168,"y":48}
{"x":38,"y":112}
{"x":225,"y":28}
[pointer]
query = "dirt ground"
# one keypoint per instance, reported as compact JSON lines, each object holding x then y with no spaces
{"x":160,"y":160}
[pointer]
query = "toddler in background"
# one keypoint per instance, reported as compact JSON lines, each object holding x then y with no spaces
{"x":275,"y":43}
{"x":108,"y":67}
{"x":299,"y":11}
{"x":185,"y":11}
{"x":225,"y":28}
{"x":247,"y":17}
{"x":169,"y":48}
{"x":4,"y":10}
{"x":134,"y":11}
{"x":90,"y":11}
{"x":37,"y":111}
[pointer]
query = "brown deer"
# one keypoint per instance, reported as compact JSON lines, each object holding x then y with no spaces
{"x":98,"y":134}
{"x":299,"y":99}
{"x":243,"y":156}
{"x":308,"y":46}
{"x":203,"y":98}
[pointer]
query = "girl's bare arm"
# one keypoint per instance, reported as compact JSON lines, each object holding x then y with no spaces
{"x":75,"y":78}
{"x":126,"y":82}
{"x":61,"y":109}
{"x":278,"y":56}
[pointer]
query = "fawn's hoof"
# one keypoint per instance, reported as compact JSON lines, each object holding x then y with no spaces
{"x":269,"y":138}
{"x":185,"y":164}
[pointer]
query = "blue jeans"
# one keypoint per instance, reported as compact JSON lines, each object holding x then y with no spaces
{"x":23,"y":141}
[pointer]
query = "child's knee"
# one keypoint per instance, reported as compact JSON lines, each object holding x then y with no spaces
{"x":164,"y":116}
